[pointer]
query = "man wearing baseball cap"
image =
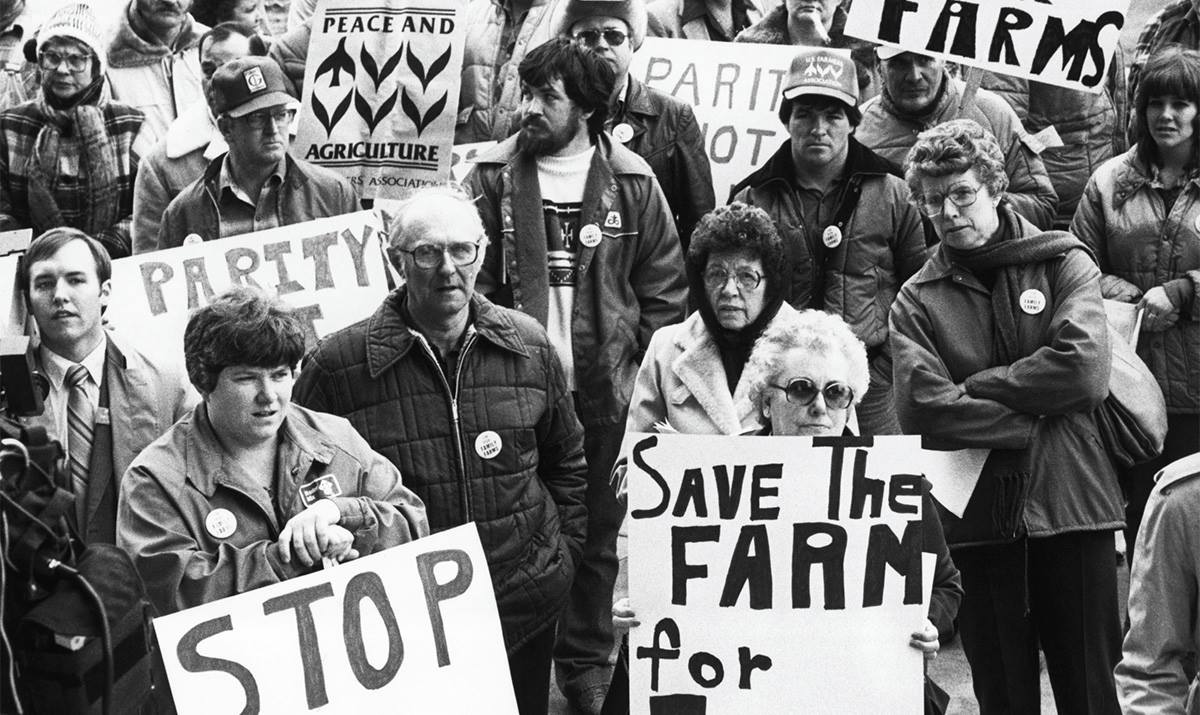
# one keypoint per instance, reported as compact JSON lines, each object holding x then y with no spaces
{"x":843,"y":213}
{"x":257,"y":185}
{"x":918,"y":93}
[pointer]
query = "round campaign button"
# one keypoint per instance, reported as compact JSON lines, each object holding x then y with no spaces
{"x":590,"y":235}
{"x":192,"y":238}
{"x":487,"y":444}
{"x":831,"y":236}
{"x":220,"y":523}
{"x":622,"y":132}
{"x":1033,"y":302}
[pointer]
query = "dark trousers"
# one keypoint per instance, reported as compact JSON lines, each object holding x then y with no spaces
{"x":1059,"y":590}
{"x":1183,"y":438}
{"x":585,"y":634}
{"x":529,"y":668}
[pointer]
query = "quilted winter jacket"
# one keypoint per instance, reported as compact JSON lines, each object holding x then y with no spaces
{"x":948,"y":385}
{"x":158,"y":80}
{"x":490,"y":92}
{"x":527,"y":501}
{"x":890,"y":133}
{"x":629,"y":285}
{"x":1138,"y":239}
{"x":883,"y":241}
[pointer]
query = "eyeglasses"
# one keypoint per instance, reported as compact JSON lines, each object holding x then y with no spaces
{"x":260,"y":119}
{"x":717,"y":277}
{"x":49,"y":60}
{"x":960,"y":196}
{"x":591,"y":38}
{"x":430,"y":256}
{"x":802,"y":391}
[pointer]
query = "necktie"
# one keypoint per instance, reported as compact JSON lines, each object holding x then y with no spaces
{"x":80,"y":426}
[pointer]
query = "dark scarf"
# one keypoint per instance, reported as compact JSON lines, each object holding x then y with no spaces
{"x":733,"y":345}
{"x":1011,"y":469}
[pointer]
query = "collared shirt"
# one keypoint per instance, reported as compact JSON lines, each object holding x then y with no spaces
{"x":239,"y":212}
{"x":55,"y":368}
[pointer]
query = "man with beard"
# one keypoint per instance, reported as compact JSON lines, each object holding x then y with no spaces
{"x":582,"y":239}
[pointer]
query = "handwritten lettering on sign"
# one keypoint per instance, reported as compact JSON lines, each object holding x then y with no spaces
{"x":1062,"y":42}
{"x":776,"y":574}
{"x":371,"y":58}
{"x":407,"y":625}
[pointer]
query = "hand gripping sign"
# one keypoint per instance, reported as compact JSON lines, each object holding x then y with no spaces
{"x":403,"y":629}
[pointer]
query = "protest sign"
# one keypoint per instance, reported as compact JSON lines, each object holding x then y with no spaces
{"x":401,"y":630}
{"x":734,"y":90}
{"x":331,"y":270}
{"x":12,"y":306}
{"x":464,"y":156}
{"x":381,"y":90}
{"x":1061,"y":42}
{"x":775,"y":574}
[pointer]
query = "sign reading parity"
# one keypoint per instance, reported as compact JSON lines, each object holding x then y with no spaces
{"x":380,"y":92}
{"x":1068,"y":43}
{"x":775,"y":574}
{"x":401,"y":630}
{"x":331,"y":270}
{"x":734,"y":88}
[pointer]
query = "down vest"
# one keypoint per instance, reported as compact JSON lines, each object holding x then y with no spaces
{"x":882,"y":245}
{"x":891,"y":133}
{"x":1140,"y":240}
{"x":527,"y":501}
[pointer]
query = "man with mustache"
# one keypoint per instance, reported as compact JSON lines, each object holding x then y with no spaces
{"x":256,"y":185}
{"x":918,"y":93}
{"x":850,"y":230}
{"x":106,"y":398}
{"x":582,"y":239}
{"x":151,"y":61}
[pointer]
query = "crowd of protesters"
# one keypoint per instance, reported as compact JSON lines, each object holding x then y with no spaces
{"x":927,"y":252}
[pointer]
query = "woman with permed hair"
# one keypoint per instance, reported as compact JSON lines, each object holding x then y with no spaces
{"x":1000,"y":342}
{"x":251,"y":489}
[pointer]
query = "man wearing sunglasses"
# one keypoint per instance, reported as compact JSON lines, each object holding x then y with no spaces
{"x":654,"y":125}
{"x":257,"y":185}
{"x":192,"y":140}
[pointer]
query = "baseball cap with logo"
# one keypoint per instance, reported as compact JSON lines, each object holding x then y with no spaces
{"x":825,"y":72}
{"x":247,"y":85}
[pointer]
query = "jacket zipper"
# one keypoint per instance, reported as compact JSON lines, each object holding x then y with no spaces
{"x":454,"y":420}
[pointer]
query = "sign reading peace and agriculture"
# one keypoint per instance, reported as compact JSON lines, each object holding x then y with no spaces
{"x":412,"y":629}
{"x":331,"y":270}
{"x":1068,"y":43}
{"x":734,"y":89}
{"x":381,"y":91}
{"x":772,"y":571}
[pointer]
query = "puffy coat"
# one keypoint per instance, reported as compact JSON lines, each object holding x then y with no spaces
{"x":629,"y":285}
{"x":184,"y":476}
{"x":490,"y":92}
{"x":666,"y":135}
{"x":308,"y":192}
{"x":1138,"y":239}
{"x":694,"y":19}
{"x":883,"y":241}
{"x":891,"y":132}
{"x":527,"y":500}
{"x":948,"y":385}
{"x":682,"y":383}
{"x":1163,"y":598}
{"x":1090,"y":126}
{"x":161,"y":81}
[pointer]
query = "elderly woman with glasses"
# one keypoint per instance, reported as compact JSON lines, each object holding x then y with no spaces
{"x":68,"y":157}
{"x":1000,"y":342}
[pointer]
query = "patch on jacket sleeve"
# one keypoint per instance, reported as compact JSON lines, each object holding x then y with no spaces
{"x":323,"y":487}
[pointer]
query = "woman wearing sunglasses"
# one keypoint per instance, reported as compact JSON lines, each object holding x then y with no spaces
{"x":1000,"y":342}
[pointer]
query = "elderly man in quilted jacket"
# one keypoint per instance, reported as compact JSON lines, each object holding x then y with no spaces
{"x":469,"y":400}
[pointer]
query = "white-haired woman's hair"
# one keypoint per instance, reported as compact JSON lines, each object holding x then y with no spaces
{"x":816,"y":332}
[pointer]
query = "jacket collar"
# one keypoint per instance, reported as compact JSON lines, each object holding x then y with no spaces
{"x":638,"y":100}
{"x":195,"y":129}
{"x":129,"y":49}
{"x":939,"y":265}
{"x":1132,"y":174}
{"x":860,"y":161}
{"x":1179,"y":471}
{"x":389,"y":337}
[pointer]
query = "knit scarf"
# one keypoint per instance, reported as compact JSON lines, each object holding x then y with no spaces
{"x":734,"y":346}
{"x":75,"y":124}
{"x":1011,"y":469}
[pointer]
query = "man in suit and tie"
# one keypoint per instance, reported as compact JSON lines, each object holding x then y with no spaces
{"x":107,"y":400}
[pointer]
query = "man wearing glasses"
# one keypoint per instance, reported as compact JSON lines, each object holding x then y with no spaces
{"x":470,"y":401}
{"x":257,"y":185}
{"x":851,"y":233}
{"x":652,"y":124}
